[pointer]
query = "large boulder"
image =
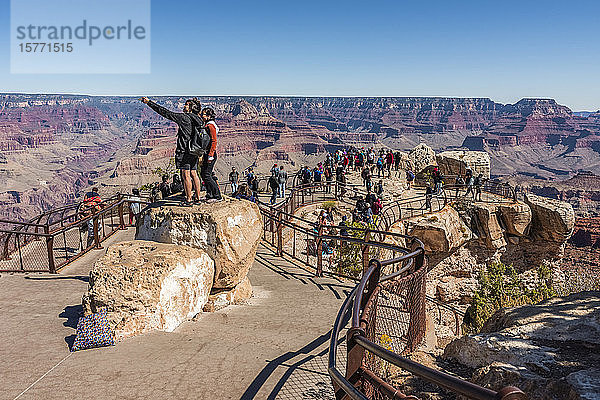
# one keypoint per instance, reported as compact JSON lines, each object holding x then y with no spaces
{"x":457,"y":163}
{"x":516,"y":217}
{"x":488,"y":225}
{"x":229,"y":231}
{"x":421,"y":157}
{"x":149,"y":286}
{"x":553,"y":220}
{"x":441,"y":232}
{"x":549,"y":350}
{"x":221,"y":298}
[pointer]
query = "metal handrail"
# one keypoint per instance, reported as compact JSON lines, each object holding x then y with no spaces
{"x":351,"y":307}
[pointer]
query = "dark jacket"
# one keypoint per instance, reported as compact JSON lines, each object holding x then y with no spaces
{"x":185,"y":121}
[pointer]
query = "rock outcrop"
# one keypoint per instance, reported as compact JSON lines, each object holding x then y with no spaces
{"x":441,"y":232}
{"x":553,"y":220}
{"x":421,"y":157}
{"x":550,"y":350}
{"x":229,"y":231}
{"x":149,"y":286}
{"x":457,"y":163}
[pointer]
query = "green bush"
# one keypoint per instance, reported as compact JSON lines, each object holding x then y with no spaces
{"x":500,"y":286}
{"x":330,"y":205}
{"x":348,"y":261}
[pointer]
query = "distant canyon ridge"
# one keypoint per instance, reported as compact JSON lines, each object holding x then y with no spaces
{"x":53,"y":147}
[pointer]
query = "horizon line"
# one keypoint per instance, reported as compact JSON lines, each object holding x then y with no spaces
{"x":294,"y":96}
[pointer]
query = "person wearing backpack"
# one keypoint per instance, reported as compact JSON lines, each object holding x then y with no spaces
{"x":213,"y":193}
{"x":186,"y":162}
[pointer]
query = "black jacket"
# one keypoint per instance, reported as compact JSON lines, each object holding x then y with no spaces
{"x":185,"y":121}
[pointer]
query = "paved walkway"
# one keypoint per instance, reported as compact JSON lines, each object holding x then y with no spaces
{"x":274,"y":347}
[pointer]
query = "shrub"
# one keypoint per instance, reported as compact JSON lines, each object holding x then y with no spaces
{"x":500,"y":286}
{"x":330,"y":205}
{"x":348,"y":261}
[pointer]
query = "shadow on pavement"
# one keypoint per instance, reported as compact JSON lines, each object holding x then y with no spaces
{"x":82,"y":278}
{"x":71,"y":313}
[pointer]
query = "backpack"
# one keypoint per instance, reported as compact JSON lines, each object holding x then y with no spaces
{"x":200,"y":141}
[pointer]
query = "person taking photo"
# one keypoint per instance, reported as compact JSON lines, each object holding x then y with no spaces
{"x":184,"y":161}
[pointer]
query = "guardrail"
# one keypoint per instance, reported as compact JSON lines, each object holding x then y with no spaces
{"x":60,"y":236}
{"x":386,"y":310}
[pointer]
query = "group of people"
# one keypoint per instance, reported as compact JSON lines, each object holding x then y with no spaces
{"x":193,"y":123}
{"x":356,"y":159}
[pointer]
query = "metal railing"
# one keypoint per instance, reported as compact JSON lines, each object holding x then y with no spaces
{"x":55,"y":238}
{"x":386,"y":310}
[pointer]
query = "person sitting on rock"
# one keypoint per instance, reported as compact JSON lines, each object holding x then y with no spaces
{"x":165,"y":188}
{"x":176,"y":185}
{"x":186,"y":162}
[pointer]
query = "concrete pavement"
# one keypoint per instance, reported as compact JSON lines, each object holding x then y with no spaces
{"x":274,"y":347}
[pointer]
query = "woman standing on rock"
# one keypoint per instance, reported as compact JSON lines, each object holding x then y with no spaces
{"x":210,"y":158}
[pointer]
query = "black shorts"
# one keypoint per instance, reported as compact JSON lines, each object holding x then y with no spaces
{"x":186,"y":162}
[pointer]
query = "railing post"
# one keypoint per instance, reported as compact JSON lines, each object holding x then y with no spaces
{"x":356,"y":353}
{"x":279,"y":235}
{"x":96,"y":232}
{"x":320,"y":252}
{"x":365,"y":251}
{"x":121,"y":215}
{"x":50,"y":248}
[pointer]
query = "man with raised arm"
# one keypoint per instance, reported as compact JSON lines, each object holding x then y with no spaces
{"x":184,"y":161}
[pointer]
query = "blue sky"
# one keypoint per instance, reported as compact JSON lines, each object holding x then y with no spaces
{"x":502,"y":50}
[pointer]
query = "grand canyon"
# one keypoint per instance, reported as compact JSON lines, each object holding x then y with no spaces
{"x":54,"y":147}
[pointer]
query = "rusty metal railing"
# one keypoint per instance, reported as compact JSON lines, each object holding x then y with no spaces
{"x":387,"y":312}
{"x":57,"y":237}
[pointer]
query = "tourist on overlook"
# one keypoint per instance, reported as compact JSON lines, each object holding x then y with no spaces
{"x":410,"y":177}
{"x":397,"y":161}
{"x":234,"y":178}
{"x":187,"y":121}
{"x":478,"y":182}
{"x":470,"y":180}
{"x":328,"y":178}
{"x":253,"y":184}
{"x":274,"y":185}
{"x":283,"y":176}
{"x":176,"y":185}
{"x":377,"y":206}
{"x":92,"y":204}
{"x":213,"y":193}
{"x":389,"y":161}
{"x":165,"y":188}
{"x":379,"y":188}
{"x":380,"y":167}
{"x":365,"y":175}
{"x":134,"y":204}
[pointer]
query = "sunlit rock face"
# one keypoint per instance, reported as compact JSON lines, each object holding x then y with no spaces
{"x":229,"y":231}
{"x":149,"y":286}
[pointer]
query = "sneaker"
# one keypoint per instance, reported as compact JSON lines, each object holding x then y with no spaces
{"x":214,"y":200}
{"x":186,"y":203}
